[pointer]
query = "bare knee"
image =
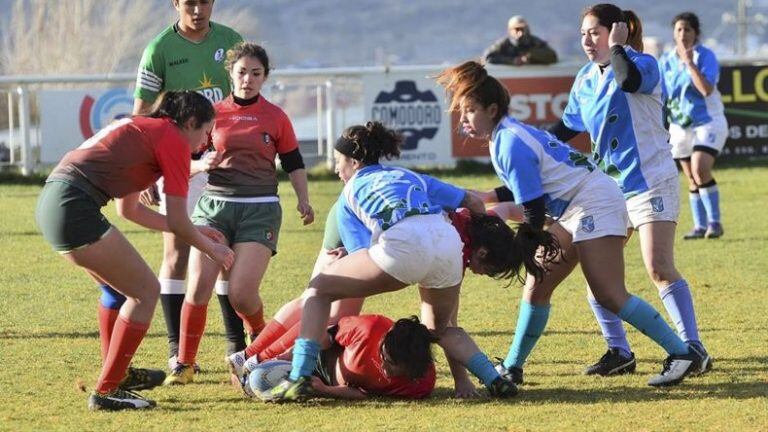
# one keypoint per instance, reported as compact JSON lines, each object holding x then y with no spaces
{"x":662,"y":272}
{"x":245,"y":302}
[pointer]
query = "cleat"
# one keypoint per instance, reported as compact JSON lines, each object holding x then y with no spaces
{"x":612,"y":363}
{"x":245,"y":384}
{"x":288,"y":390}
{"x":705,"y":360}
{"x":250,"y":364}
{"x":181,"y":375}
{"x":676,"y":368}
{"x":118,"y":400}
{"x":696,"y":233}
{"x":513,"y":373}
{"x":142,"y":379}
{"x":173,"y":361}
{"x":502,"y":388}
{"x":714,"y":230}
{"x":236,"y":362}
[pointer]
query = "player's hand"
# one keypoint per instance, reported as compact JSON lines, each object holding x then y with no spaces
{"x":685,"y":53}
{"x":306,"y":212}
{"x":337,"y":253}
{"x":150,"y":196}
{"x":213,"y":234}
{"x":317,"y":385}
{"x":465,"y":389}
{"x":619,"y":34}
{"x":211,"y":160}
{"x":222,"y":255}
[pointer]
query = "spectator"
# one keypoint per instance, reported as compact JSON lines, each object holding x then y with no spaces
{"x":520,"y":47}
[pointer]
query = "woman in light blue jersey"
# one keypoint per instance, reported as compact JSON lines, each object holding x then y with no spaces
{"x":546,"y":176}
{"x":392,"y":224}
{"x":697,"y":125}
{"x":617,"y":98}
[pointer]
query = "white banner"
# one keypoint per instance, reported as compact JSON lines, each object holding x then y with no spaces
{"x":413,"y":104}
{"x":69,"y":117}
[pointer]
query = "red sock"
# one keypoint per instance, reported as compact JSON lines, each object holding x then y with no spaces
{"x":126,"y":338}
{"x":254,"y":324}
{"x":281,"y":345}
{"x":192,"y":327}
{"x":107,"y":318}
{"x":271,"y":333}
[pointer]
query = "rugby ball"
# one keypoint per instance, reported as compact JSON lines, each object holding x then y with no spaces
{"x":268,"y":374}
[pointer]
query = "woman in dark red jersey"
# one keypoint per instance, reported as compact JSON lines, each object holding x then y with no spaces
{"x":118,"y":163}
{"x":241,"y":201}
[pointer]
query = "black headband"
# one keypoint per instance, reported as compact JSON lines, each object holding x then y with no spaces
{"x":347,"y":147}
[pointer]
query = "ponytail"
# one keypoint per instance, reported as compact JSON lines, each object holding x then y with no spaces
{"x":471,"y":80}
{"x":635,"y":28}
{"x":536,"y":249}
{"x":369,"y":143}
{"x":182,"y":106}
{"x":607,"y":14}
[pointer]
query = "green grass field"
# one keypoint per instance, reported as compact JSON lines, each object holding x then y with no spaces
{"x":48,"y":338}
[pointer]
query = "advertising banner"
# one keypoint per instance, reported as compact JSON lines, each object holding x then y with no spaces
{"x":69,"y":117}
{"x":414,"y":105}
{"x":744,"y":90}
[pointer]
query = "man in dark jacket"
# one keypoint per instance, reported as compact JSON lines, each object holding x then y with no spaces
{"x":520,"y":47}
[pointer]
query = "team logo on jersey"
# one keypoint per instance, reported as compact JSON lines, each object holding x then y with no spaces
{"x":587,"y":224}
{"x":219,"y":55}
{"x":269,"y":235}
{"x":415,"y":114}
{"x":657,"y":204}
{"x":95,"y":113}
{"x":266,"y":138}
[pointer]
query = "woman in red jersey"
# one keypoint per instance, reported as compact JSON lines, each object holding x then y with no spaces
{"x":118,"y":163}
{"x":241,"y":200}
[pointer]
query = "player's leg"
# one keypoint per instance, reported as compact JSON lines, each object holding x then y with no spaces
{"x":702,"y":162}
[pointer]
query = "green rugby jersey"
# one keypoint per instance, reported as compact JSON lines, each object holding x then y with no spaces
{"x":171,"y":62}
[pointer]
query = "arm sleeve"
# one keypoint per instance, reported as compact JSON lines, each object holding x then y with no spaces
{"x":173,"y":157}
{"x":291,"y":161}
{"x":354,"y":234}
{"x":151,"y":74}
{"x":709,"y":67}
{"x":535,"y":212}
{"x":444,"y":194}
{"x":562,"y":132}
{"x":521,"y":172}
{"x":503,"y":194}
{"x":625,"y":72}
{"x":572,"y":113}
{"x":286,"y":137}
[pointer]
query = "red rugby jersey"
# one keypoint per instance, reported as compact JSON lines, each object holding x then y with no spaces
{"x":127,"y":156}
{"x":461,"y":220}
{"x":361,"y":366}
{"x":249,"y":138}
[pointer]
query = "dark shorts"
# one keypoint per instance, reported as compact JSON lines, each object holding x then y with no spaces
{"x":241,"y":222}
{"x":68,"y":217}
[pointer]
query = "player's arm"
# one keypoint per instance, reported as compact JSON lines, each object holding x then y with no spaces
{"x":131,"y":209}
{"x":337,"y":392}
{"x":141,"y":107}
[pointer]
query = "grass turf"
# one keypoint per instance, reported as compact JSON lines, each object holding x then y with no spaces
{"x":49,"y":341}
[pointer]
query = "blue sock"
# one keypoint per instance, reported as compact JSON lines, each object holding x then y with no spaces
{"x":679,"y":304}
{"x":531,"y":321}
{"x":482,"y":368}
{"x":710,"y":197}
{"x":698,"y":211}
{"x":110,"y":298}
{"x":646,"y":319}
{"x":612,"y":327}
{"x":305,"y":352}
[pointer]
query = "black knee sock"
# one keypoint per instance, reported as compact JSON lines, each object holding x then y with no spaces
{"x":233,"y":326}
{"x":172,"y":304}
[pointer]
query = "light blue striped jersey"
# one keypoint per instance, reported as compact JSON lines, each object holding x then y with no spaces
{"x":377,"y":197}
{"x":629,"y":142}
{"x":686,"y":106}
{"x":533,"y":163}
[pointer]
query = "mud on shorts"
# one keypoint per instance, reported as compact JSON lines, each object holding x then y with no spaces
{"x":241,"y":222}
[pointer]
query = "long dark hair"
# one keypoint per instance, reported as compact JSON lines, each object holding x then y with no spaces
{"x":510,"y":251}
{"x":607,"y":14}
{"x":471,"y":80}
{"x":182,"y":106}
{"x":409,"y":345}
{"x":691,"y":18}
{"x":369,"y":143}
